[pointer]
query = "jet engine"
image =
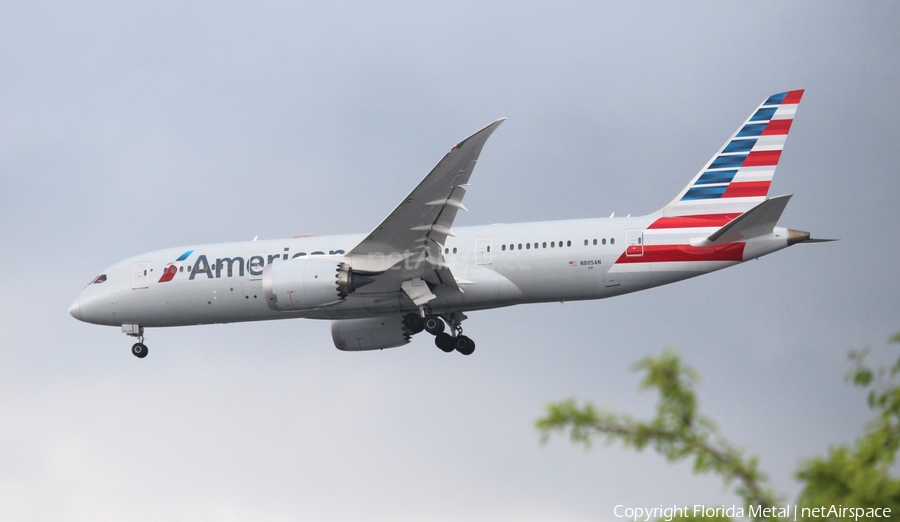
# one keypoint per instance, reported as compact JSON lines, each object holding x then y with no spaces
{"x":374,"y":333}
{"x":307,"y":284}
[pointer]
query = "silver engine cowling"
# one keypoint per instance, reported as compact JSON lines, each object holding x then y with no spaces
{"x":310,"y":283}
{"x":374,"y":333}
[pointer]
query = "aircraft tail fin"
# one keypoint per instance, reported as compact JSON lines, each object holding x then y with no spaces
{"x":737,"y":178}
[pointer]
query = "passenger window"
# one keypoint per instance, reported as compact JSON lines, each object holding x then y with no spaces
{"x":544,"y":245}
{"x":528,"y":246}
{"x":520,"y":246}
{"x":489,"y":248}
{"x":454,"y":250}
{"x":612,"y":241}
{"x":585,"y":242}
{"x":552,"y":244}
{"x":595,"y":242}
{"x":568,"y":243}
{"x":603,"y":241}
{"x":503,"y":248}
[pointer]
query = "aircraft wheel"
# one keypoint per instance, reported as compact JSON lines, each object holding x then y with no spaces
{"x":433,"y":324}
{"x":413,"y":323}
{"x":444,"y":341}
{"x":464,"y":345}
{"x":139,"y":350}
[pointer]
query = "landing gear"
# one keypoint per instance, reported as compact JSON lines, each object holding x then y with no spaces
{"x":444,"y":341}
{"x":464,"y":345}
{"x":138,"y":349}
{"x":413,"y":323}
{"x":459,"y":342}
{"x":435,"y":324}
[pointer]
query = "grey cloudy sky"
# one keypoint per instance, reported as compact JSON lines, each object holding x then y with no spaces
{"x":125,"y":129}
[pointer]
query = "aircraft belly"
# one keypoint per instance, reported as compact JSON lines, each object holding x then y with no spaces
{"x":363,"y":305}
{"x":482,"y":287}
{"x":638,"y":276}
{"x":534,"y":278}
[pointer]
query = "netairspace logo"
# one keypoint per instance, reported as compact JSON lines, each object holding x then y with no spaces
{"x":785,"y":512}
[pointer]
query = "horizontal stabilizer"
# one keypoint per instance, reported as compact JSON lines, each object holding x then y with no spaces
{"x":758,"y":221}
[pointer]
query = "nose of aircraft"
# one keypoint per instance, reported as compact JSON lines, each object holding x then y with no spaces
{"x":75,"y":309}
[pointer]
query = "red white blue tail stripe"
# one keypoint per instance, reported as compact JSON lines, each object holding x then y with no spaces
{"x":737,"y":178}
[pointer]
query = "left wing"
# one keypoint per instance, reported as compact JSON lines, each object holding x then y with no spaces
{"x":417,"y":229}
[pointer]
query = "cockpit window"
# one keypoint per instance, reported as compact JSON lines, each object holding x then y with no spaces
{"x":100,"y":279}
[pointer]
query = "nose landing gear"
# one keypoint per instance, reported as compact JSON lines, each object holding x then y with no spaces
{"x":435,"y":325}
{"x":138,"y":349}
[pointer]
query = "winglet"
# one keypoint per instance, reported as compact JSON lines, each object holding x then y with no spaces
{"x":493,"y":125}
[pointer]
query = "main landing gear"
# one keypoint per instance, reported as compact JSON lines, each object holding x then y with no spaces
{"x":138,"y":349}
{"x":435,"y":325}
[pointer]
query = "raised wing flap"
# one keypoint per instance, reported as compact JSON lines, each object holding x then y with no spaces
{"x":426,"y":215}
{"x":758,"y":221}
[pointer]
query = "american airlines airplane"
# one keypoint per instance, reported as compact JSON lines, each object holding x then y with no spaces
{"x":416,"y":272}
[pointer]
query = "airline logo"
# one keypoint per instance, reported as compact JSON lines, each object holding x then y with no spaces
{"x":171,"y":270}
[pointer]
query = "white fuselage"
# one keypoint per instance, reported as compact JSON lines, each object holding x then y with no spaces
{"x":494,"y":266}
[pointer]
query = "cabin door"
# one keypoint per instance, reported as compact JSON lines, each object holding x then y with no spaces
{"x":483,"y":251}
{"x":634,"y":239}
{"x":140,"y":275}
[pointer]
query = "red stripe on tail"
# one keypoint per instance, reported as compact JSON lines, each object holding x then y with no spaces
{"x":762,"y":158}
{"x":792,"y":97}
{"x":776,"y":127}
{"x":747,"y":189}
{"x":697,"y":221}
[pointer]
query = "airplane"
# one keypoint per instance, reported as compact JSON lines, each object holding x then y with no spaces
{"x":414,"y":272}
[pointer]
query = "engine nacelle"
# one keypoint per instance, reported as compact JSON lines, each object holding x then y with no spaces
{"x":374,"y":333}
{"x":310,"y":283}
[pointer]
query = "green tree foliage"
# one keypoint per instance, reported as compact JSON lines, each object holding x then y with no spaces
{"x":849,"y":476}
{"x":859,"y":474}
